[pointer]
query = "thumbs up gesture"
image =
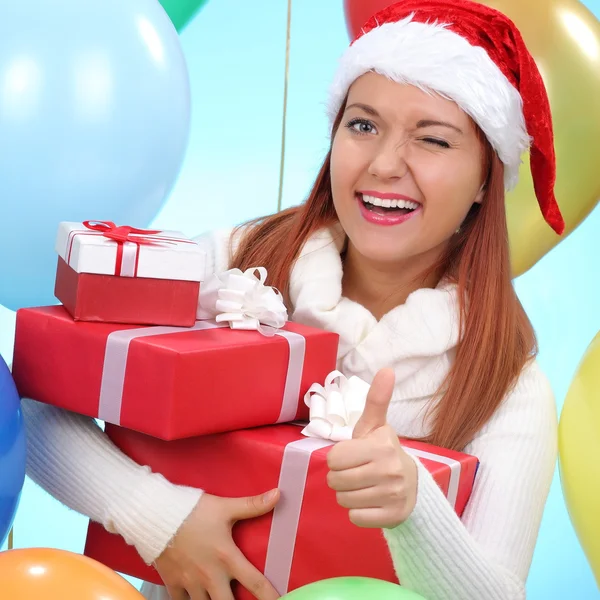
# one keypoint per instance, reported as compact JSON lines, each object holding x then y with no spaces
{"x":371,"y":474}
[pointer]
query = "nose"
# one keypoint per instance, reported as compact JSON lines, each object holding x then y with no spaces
{"x":389,"y":161}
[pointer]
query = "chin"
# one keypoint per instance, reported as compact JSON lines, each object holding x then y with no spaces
{"x":378,"y":251}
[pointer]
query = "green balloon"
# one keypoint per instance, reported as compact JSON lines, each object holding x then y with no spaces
{"x":352,"y":588}
{"x":182,"y":11}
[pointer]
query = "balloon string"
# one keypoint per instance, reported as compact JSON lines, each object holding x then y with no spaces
{"x":10,"y":539}
{"x":285,"y":101}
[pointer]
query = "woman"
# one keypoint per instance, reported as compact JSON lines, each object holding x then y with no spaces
{"x":402,"y":249}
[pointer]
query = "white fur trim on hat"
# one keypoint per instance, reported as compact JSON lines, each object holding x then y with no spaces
{"x":434,"y":58}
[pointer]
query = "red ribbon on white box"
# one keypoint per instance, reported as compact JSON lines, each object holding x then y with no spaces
{"x":127,"y":240}
{"x":117,"y":351}
{"x":292,"y":483}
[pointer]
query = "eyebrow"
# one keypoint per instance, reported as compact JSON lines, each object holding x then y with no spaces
{"x":430,"y":123}
{"x":365,"y":107}
{"x":422,"y":124}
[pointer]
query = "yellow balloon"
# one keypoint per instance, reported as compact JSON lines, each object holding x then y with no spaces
{"x":579,"y":454}
{"x":564,"y":38}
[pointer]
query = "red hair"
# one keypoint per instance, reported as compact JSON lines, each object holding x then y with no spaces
{"x":497,"y":338}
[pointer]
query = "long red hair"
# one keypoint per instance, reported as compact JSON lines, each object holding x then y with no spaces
{"x":497,"y":338}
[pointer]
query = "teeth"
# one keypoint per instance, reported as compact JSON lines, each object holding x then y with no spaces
{"x":390,"y":203}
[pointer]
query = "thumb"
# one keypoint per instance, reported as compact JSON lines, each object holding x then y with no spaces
{"x":374,"y":415}
{"x":252,"y":506}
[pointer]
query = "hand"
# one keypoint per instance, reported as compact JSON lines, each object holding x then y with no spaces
{"x":203,"y":559}
{"x":373,"y":477}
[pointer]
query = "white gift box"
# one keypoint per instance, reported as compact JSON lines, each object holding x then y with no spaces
{"x":91,"y":247}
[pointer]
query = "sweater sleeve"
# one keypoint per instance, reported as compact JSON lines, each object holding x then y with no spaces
{"x":71,"y":458}
{"x":488,"y":553}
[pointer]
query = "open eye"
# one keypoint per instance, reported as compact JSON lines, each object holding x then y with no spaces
{"x":361,"y":126}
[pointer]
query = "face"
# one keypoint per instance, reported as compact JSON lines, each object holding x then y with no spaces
{"x":406,"y":167}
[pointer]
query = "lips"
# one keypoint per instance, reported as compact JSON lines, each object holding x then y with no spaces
{"x":386,"y":211}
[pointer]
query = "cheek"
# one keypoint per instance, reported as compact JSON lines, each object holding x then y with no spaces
{"x":347,"y":165}
{"x":449,"y":190}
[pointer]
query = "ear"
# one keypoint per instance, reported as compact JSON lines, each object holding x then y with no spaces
{"x":480,"y":194}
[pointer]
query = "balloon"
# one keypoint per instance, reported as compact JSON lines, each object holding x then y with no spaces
{"x":579,"y":452}
{"x":352,"y":588}
{"x":94,"y":122}
{"x":564,"y":38}
{"x":12,"y":451}
{"x":358,"y":12}
{"x":47,"y":574}
{"x":181,"y":11}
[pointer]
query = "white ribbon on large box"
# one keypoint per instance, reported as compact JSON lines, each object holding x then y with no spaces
{"x":235,"y":299}
{"x":242,"y":299}
{"x":335,"y":407}
{"x":334,"y":410}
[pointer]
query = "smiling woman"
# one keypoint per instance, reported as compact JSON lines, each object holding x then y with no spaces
{"x":401,"y":248}
{"x":398,"y":142}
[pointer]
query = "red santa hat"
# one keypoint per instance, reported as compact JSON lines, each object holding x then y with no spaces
{"x":475,"y":56}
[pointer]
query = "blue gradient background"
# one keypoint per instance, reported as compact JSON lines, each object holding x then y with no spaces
{"x":235,"y":54}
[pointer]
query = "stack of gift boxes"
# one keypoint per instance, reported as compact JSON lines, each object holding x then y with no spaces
{"x":211,"y":396}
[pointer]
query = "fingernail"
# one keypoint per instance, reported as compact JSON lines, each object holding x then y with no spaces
{"x":269,"y":496}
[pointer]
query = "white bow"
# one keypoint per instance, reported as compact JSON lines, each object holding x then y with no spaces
{"x":242,"y":299}
{"x":335,"y":408}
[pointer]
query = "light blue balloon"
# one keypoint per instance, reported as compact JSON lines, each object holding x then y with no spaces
{"x":94,"y":124}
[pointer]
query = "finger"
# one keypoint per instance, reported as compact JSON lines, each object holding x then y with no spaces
{"x":365,"y":498}
{"x":349,"y":454}
{"x":251,"y":578}
{"x":359,"y":478}
{"x":197,"y":593}
{"x":378,"y":401}
{"x":177,"y":593}
{"x":251,"y":506}
{"x":370,"y":517}
{"x":222,"y":591}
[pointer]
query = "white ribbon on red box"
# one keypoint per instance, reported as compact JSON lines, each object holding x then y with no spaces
{"x":334,"y":410}
{"x":250,"y":306}
{"x":242,"y":299}
{"x":115,"y":367}
{"x":335,"y":407}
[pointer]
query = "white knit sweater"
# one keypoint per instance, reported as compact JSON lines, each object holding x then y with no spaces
{"x":486,"y":555}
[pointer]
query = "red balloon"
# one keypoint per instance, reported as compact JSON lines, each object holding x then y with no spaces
{"x":358,"y":12}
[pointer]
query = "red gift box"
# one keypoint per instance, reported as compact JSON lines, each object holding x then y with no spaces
{"x":109,"y":299}
{"x":125,"y":275}
{"x":169,"y":382}
{"x":308,"y":537}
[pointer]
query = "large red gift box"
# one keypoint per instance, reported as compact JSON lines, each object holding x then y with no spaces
{"x":169,"y":382}
{"x":127,"y":275}
{"x":308,"y":537}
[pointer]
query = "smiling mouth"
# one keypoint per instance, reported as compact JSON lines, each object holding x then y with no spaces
{"x":387,"y":206}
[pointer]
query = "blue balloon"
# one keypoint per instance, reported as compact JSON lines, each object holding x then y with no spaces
{"x":12,"y":451}
{"x":94,"y":124}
